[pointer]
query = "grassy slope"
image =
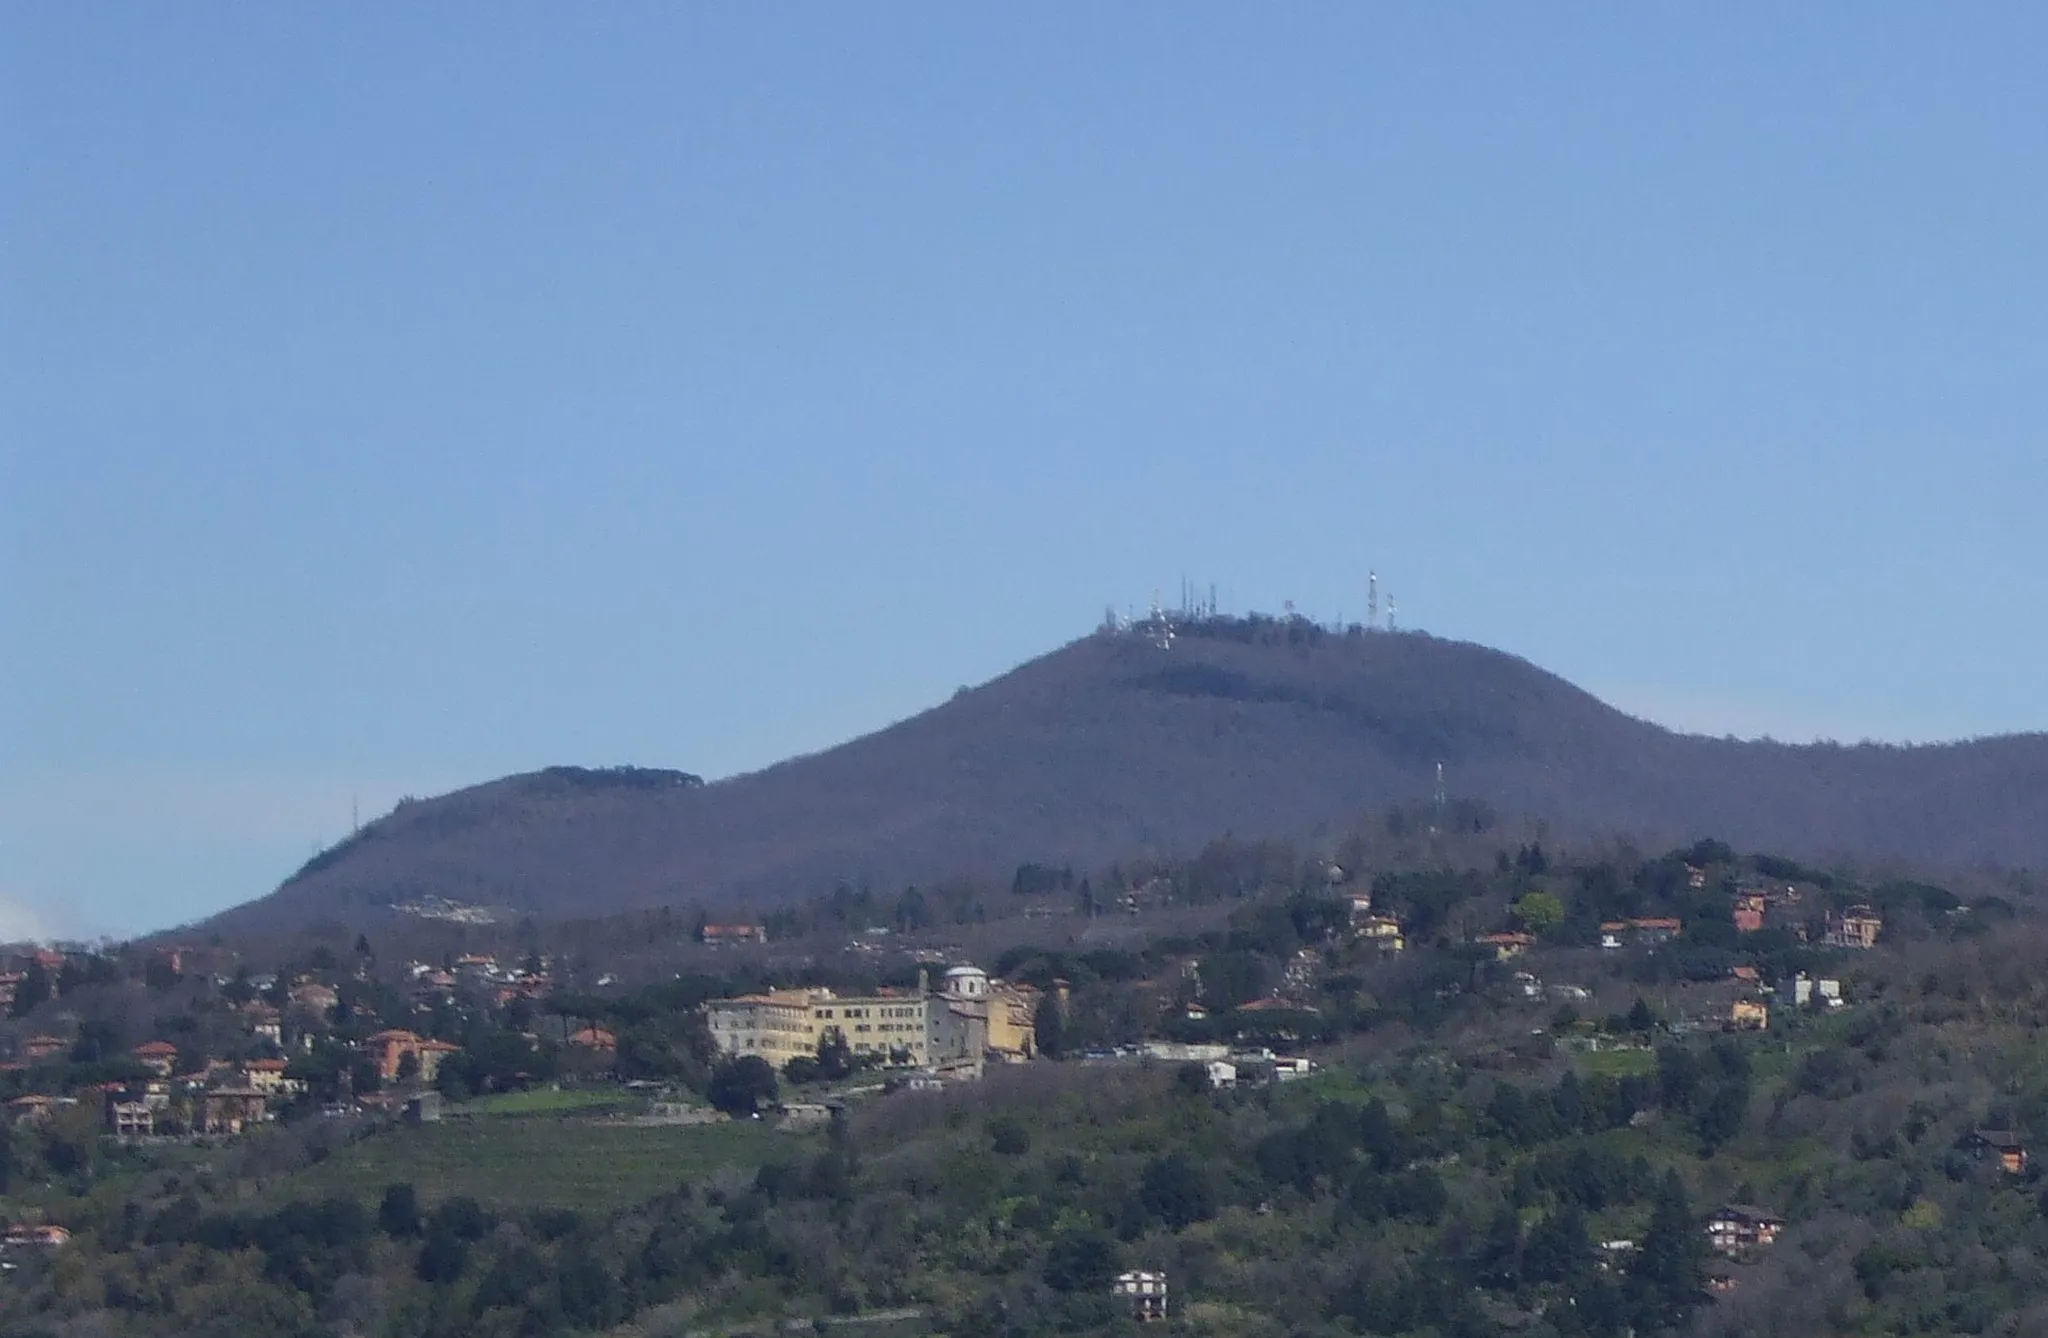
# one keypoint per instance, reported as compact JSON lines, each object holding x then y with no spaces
{"x":588,"y":1165}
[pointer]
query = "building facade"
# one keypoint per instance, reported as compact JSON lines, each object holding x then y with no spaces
{"x":782,"y":1025}
{"x":969,"y":1018}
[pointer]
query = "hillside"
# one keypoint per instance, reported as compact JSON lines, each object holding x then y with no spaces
{"x":1111,"y":746}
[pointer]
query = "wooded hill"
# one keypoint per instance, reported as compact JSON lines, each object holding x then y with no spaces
{"x":1112,"y":747}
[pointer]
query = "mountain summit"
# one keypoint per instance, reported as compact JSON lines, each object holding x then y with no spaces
{"x":1112,"y":746}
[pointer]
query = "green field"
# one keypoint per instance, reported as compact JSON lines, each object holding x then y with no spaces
{"x":593,"y":1166}
{"x":1618,"y":1063}
{"x":548,"y":1101}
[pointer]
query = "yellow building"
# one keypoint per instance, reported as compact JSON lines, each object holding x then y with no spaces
{"x":970,"y":1018}
{"x":782,"y":1025}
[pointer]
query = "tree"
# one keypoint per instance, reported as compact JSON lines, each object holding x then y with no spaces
{"x":1670,"y":1269}
{"x":1640,"y":1018}
{"x":835,"y":1056}
{"x":1081,"y":1260}
{"x":740,"y":1086}
{"x":1050,"y":1027}
{"x":1558,"y":1248}
{"x":399,"y":1213}
{"x":1008,"y":1136}
{"x":1539,"y":912}
{"x":33,"y":991}
{"x":1176,"y":1189}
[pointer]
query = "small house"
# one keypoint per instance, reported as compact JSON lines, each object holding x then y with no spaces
{"x":1803,"y":991}
{"x":35,"y":1236}
{"x":1749,"y":912}
{"x":232,"y":1110}
{"x":719,"y":935}
{"x":1749,"y":1015}
{"x":159,"y":1057}
{"x":315,"y":998}
{"x":1221,"y":1074}
{"x":37,"y":1108}
{"x":1856,"y":927}
{"x":1143,"y":1295}
{"x":268,"y":1075}
{"x":1511,"y":943}
{"x":41,"y":1049}
{"x":2000,"y":1145}
{"x":1737,"y":1228}
{"x":1382,"y":932}
{"x":131,"y":1119}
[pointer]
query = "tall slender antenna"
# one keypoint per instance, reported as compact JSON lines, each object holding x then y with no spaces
{"x":1440,"y":802}
{"x":355,"y":815}
{"x":1372,"y":600}
{"x":1390,"y":615}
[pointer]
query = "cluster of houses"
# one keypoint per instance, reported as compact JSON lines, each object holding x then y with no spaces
{"x":1751,"y":1010}
{"x":216,"y":1098}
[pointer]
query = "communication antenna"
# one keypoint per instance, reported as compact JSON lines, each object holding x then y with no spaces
{"x":355,"y":815}
{"x":1440,"y":801}
{"x":1162,"y":626}
{"x":1372,"y":600}
{"x":1391,"y":627}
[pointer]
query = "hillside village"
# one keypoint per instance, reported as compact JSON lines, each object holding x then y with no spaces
{"x":170,"y":1044}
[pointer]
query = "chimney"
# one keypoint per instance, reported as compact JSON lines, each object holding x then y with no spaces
{"x":924,"y":981}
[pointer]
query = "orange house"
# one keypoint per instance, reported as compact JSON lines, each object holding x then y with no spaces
{"x":159,"y":1057}
{"x":388,"y":1049}
{"x":38,"y":1048}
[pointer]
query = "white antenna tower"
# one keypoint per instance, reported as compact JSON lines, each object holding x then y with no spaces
{"x":1439,"y":802}
{"x":1391,"y":627}
{"x":1162,"y":626}
{"x":1372,"y":600}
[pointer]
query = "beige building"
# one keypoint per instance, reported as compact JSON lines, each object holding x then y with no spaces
{"x":969,"y":1018}
{"x":782,"y":1025}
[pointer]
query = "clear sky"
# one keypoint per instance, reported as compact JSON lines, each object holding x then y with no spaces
{"x":394,"y":398}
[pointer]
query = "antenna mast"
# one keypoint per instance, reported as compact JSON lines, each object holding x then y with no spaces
{"x":1372,"y":600}
{"x":1162,"y":626}
{"x":1390,"y":615}
{"x":1440,"y":801}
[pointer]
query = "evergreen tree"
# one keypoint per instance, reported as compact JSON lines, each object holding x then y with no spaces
{"x":835,"y":1056}
{"x":1670,"y":1269}
{"x":1558,"y":1249}
{"x":33,"y":991}
{"x":1050,"y":1026}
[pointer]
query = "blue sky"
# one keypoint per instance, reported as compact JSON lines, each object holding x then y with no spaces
{"x":392,"y":401}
